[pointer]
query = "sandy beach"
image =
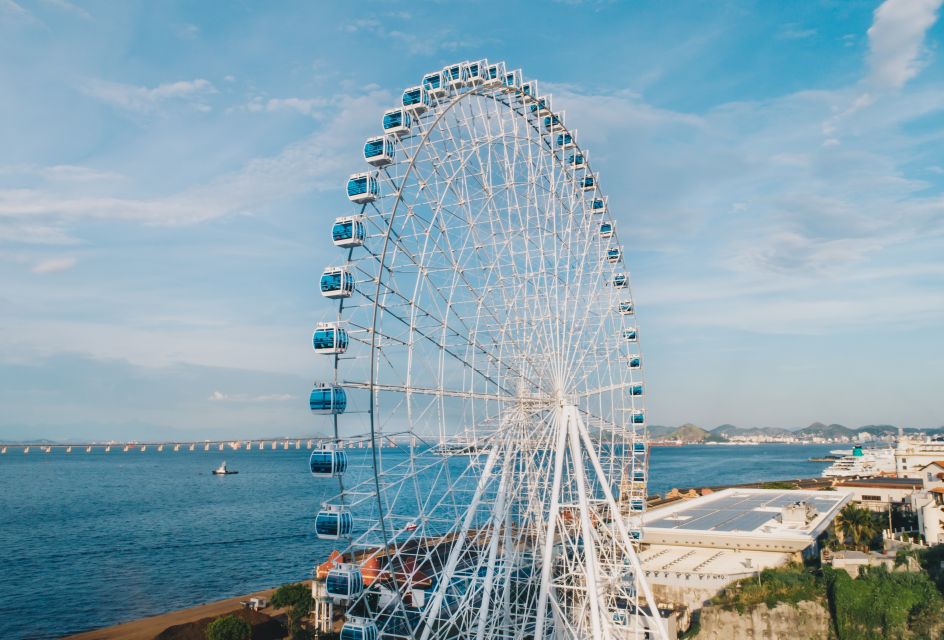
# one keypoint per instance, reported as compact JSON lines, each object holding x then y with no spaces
{"x":148,"y":628}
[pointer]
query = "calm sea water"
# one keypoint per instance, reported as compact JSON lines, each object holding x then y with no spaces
{"x":90,"y":540}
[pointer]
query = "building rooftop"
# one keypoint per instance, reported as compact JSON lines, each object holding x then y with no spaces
{"x":882,"y":482}
{"x":761,"y":519}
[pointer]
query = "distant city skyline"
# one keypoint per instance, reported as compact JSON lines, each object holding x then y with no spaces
{"x":169,"y":173}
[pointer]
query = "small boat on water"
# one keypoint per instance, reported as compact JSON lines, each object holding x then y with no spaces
{"x":223,"y":471}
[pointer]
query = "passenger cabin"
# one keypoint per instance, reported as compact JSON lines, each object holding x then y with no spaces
{"x":620,"y":281}
{"x":635,"y":534}
{"x":362,"y":188}
{"x":598,"y":205}
{"x":635,"y":362}
{"x":530,"y":89}
{"x":606,"y":230}
{"x":416,"y":100}
{"x":329,"y":338}
{"x":630,"y":335}
{"x":358,"y":629}
{"x":348,"y":231}
{"x":513,"y":79}
{"x":456,"y":75}
{"x":379,"y":151}
{"x":637,"y":504}
{"x":337,"y":282}
{"x":635,"y":389}
{"x":397,"y":122}
{"x":495,"y":75}
{"x":553,"y":122}
{"x":614,"y":255}
{"x":577,"y":161}
{"x":565,"y":140}
{"x":639,"y":447}
{"x":327,"y":399}
{"x":333,"y":523}
{"x":477,"y":72}
{"x":344,"y":582}
{"x":541,"y":106}
{"x":588,"y":182}
{"x":638,"y":474}
{"x":434,"y":85}
{"x":327,"y":462}
{"x":626,"y":308}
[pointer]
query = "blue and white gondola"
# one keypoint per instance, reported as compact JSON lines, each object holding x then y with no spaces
{"x":378,"y":151}
{"x":639,"y":475}
{"x":333,"y":522}
{"x":397,"y":122}
{"x":588,"y":182}
{"x":434,"y":85}
{"x":348,"y":231}
{"x":327,"y":462}
{"x":598,"y":205}
{"x":416,"y":100}
{"x":513,"y":79}
{"x":476,"y":72}
{"x":359,"y":629}
{"x":344,"y":582}
{"x":577,"y":161}
{"x":630,"y":335}
{"x":639,"y":447}
{"x":606,"y":230}
{"x":327,"y":399}
{"x":329,"y":338}
{"x":553,"y":122}
{"x":541,"y":106}
{"x":626,"y":308}
{"x":637,"y":504}
{"x":565,"y":140}
{"x":456,"y":75}
{"x":614,"y":255}
{"x":620,"y":280}
{"x":495,"y":74}
{"x":362,"y":188}
{"x":635,"y":361}
{"x":337,"y":282}
{"x":635,"y":534}
{"x":635,"y":389}
{"x":530,"y":90}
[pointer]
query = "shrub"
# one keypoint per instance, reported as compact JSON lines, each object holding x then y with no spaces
{"x":790,"y":584}
{"x":229,"y":628}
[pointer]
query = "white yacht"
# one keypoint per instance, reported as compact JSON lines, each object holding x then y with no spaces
{"x":862,"y":464}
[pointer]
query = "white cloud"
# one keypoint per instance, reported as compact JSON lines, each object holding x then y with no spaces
{"x":304,"y":106}
{"x":895,"y":40}
{"x":144,"y":99}
{"x":187,"y":31}
{"x":219,"y":396}
{"x":312,"y":163}
{"x":65,"y":5}
{"x":54,"y":265}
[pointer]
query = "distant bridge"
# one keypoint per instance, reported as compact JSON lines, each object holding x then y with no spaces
{"x":261,"y":444}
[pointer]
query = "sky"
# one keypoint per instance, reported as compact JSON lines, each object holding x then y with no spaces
{"x":169,"y":172}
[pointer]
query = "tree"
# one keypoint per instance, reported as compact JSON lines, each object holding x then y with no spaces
{"x":857,"y":525}
{"x":229,"y":628}
{"x":296,"y":599}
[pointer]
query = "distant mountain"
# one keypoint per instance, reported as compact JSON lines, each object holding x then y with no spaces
{"x":659,"y":431}
{"x":820,"y":430}
{"x":729,"y":430}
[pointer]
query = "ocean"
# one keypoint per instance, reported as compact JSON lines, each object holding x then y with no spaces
{"x":94,"y":539}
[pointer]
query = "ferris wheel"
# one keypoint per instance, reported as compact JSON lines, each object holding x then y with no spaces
{"x":485,"y":361}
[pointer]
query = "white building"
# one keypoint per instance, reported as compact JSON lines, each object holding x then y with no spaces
{"x":929,"y":502}
{"x":694,"y":548}
{"x":913,"y":454}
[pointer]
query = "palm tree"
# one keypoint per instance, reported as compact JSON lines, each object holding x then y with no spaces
{"x":856,"y":524}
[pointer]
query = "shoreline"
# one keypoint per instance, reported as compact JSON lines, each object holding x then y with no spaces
{"x":149,"y":627}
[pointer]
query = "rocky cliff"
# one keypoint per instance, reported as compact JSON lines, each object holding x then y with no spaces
{"x":806,"y":621}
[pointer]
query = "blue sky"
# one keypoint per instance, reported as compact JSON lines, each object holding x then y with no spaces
{"x":169,"y":171}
